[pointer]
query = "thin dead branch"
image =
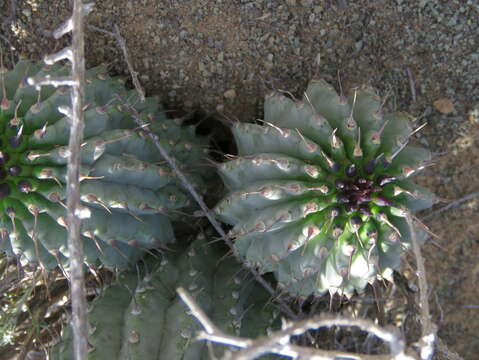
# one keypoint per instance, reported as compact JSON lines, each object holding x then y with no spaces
{"x":122,"y":44}
{"x":198,"y":198}
{"x":444,"y":353}
{"x":134,"y":75}
{"x":75,"y":54}
{"x":412,"y":85}
{"x":75,"y":246}
{"x":428,"y":328}
{"x":189,"y":187}
{"x":452,"y":205}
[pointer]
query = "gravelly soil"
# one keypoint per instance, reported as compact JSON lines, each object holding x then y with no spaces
{"x":223,"y":56}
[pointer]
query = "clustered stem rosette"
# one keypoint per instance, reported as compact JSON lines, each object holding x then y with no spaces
{"x":140,"y":317}
{"x":319,"y":190}
{"x":128,"y":193}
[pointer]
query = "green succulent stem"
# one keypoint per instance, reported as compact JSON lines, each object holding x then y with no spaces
{"x":128,"y":195}
{"x":319,"y":190}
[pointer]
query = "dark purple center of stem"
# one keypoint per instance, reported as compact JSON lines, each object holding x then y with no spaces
{"x":355,"y":194}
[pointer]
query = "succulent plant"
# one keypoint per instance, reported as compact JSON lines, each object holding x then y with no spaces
{"x":146,"y":319}
{"x":128,"y":193}
{"x":320,"y":190}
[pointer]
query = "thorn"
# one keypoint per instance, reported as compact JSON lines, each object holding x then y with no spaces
{"x":95,"y":274}
{"x":151,"y":253}
{"x":425,"y":227}
{"x":398,"y":150}
{"x":312,"y":232}
{"x":39,"y":133}
{"x":370,"y":251}
{"x":385,"y":179}
{"x":16,"y":121}
{"x":231,"y":156}
{"x":37,"y":251}
{"x":92,"y":198}
{"x":381,"y":129}
{"x":32,"y":156}
{"x":386,"y":98}
{"x":86,"y":177}
{"x":398,"y":191}
{"x":20,"y":131}
{"x":131,"y":213}
{"x":358,"y":152}
{"x":92,"y":236}
{"x":417,"y":129}
{"x":407,"y":171}
{"x":103,"y":143}
{"x":341,"y":94}
{"x":11,"y":215}
{"x":383,"y":217}
{"x":310,"y":103}
{"x":62,"y":269}
{"x":290,"y":94}
{"x":311,"y":147}
{"x":112,"y":243}
{"x":376,"y":138}
{"x":39,"y":89}
{"x":62,"y":204}
{"x":331,"y":163}
{"x":283,"y":133}
{"x":334,"y":140}
{"x":350,"y":263}
{"x":354,"y":103}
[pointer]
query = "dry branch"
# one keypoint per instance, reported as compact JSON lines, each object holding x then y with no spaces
{"x":452,"y":205}
{"x":280,"y":342}
{"x":428,"y":328}
{"x":75,"y":246}
{"x":75,"y":54}
{"x":184,"y":181}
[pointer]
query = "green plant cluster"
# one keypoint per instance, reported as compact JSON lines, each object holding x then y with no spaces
{"x":129,"y":195}
{"x":141,"y":318}
{"x":318,"y":195}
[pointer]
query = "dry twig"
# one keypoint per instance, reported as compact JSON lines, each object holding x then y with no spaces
{"x":428,"y":331}
{"x":452,"y":205}
{"x":134,"y":75}
{"x":75,"y":246}
{"x":189,"y":187}
{"x":444,"y":353}
{"x":412,"y":86}
{"x":75,"y":54}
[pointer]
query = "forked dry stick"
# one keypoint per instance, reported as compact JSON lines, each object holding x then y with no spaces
{"x":279,"y":342}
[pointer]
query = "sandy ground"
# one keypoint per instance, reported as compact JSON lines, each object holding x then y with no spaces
{"x":223,"y":56}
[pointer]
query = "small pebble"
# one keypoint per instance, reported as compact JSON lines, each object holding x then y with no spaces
{"x":444,"y":106}
{"x":230,"y":94}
